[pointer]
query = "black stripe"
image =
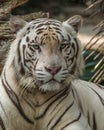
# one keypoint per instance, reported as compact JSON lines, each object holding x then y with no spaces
{"x":75,"y":120}
{"x":77,"y":98}
{"x":24,"y":47}
{"x":22,"y":70}
{"x":73,"y":69}
{"x":100,"y":86}
{"x":54,"y":96}
{"x":29,"y":55}
{"x":57,"y":29}
{"x":77,"y":47}
{"x":37,"y":22}
{"x":50,"y":104}
{"x":2,"y":124}
{"x":30,"y":105}
{"x":69,"y":37}
{"x":58,"y":120}
{"x":40,"y":30}
{"x":73,"y":94}
{"x":31,"y":48}
{"x":39,"y":25}
{"x":28,"y":28}
{"x":19,"y":56}
{"x":56,"y":24}
{"x":94,"y":122}
{"x":70,"y":58}
{"x":15,"y":100}
{"x":59,"y":32}
{"x":28,"y":60}
{"x":88,"y":117}
{"x":55,"y":109}
{"x":73,"y":46}
{"x":27,"y":39}
{"x":101,"y":99}
{"x":67,"y":48}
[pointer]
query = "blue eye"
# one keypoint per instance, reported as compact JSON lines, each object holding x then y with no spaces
{"x":62,"y":46}
{"x":36,"y":46}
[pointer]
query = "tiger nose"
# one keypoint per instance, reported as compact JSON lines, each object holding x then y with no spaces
{"x":53,"y":70}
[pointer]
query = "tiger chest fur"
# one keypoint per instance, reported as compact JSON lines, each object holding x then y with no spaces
{"x":39,"y":86}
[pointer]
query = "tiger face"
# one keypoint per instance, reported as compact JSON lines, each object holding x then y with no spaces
{"x":48,"y":54}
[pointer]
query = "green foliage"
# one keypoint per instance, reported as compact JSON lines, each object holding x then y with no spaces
{"x":93,"y":71}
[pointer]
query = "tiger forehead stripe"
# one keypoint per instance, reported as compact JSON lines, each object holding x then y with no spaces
{"x":47,"y":22}
{"x":40,"y":30}
{"x":39,"y":25}
{"x":45,"y":36}
{"x":48,"y":31}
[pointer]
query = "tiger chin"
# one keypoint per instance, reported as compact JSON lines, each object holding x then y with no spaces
{"x":40,"y":87}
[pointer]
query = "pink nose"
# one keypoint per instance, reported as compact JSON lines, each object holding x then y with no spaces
{"x":53,"y":70}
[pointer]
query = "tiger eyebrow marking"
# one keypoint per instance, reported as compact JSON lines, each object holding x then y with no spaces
{"x":65,"y":40}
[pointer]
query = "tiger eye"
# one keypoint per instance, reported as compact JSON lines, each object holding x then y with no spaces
{"x":62,"y":46}
{"x":36,"y":46}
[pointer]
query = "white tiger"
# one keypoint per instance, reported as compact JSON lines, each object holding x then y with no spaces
{"x":39,"y":85}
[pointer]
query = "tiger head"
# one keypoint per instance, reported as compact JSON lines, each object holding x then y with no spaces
{"x":47,"y":53}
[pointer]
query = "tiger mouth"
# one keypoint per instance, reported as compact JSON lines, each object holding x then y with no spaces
{"x":51,"y":81}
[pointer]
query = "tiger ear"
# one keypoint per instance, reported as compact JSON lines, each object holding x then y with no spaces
{"x":16,"y":23}
{"x":75,"y":22}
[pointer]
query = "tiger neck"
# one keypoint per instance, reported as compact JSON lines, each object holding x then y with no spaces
{"x":36,"y":103}
{"x":9,"y":76}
